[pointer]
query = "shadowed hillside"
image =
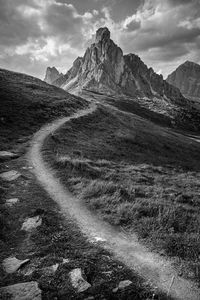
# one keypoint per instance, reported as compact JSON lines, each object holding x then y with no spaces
{"x":27,"y":103}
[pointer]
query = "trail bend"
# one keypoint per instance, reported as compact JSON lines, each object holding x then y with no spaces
{"x":155,"y":269}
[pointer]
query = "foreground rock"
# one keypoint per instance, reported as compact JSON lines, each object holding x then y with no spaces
{"x":21,"y":291}
{"x":77,"y":280}
{"x":10,"y":175}
{"x":12,"y":264}
{"x":31,"y":223}
{"x":6,"y":155}
{"x":122,"y":285}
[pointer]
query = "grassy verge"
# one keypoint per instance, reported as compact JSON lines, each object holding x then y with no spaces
{"x":136,"y":175}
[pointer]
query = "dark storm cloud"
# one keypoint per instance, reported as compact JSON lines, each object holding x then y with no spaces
{"x":182,"y":2}
{"x":15,"y":27}
{"x":63,"y":21}
{"x":133,"y":25}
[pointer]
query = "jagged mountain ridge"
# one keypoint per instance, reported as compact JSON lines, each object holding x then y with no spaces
{"x":105,"y":69}
{"x":187,"y":78}
{"x":51,"y":75}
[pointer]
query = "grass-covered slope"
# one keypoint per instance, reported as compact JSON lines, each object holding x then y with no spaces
{"x":26,"y":103}
{"x":137,"y":175}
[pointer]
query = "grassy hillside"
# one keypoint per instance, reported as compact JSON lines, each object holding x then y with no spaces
{"x":26,"y":103}
{"x":137,"y":175}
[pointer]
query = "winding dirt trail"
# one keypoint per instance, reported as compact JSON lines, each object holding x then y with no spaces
{"x":154,"y":268}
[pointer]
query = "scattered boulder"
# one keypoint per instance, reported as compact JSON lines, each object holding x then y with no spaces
{"x":12,"y":201}
{"x":6,"y":155}
{"x":12,"y":264}
{"x":10,"y":175}
{"x":77,"y":280}
{"x":31,"y":223}
{"x":122,"y":285}
{"x":22,"y":291}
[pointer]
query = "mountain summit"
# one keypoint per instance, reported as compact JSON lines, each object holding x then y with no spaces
{"x":187,"y":78}
{"x":105,"y":69}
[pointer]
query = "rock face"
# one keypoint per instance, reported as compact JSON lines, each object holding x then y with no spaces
{"x":52,"y":74}
{"x":187,"y":78}
{"x":105,"y":69}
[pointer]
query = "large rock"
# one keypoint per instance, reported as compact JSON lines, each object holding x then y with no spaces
{"x":77,"y":280}
{"x":187,"y":78}
{"x":12,"y":264}
{"x":21,"y":291}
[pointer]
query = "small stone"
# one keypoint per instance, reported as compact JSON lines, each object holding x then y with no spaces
{"x":6,"y":155}
{"x":122,"y":285}
{"x":50,"y":270}
{"x":12,"y":264}
{"x":65,"y":261}
{"x":77,"y":280}
{"x":10,"y":175}
{"x":12,"y":201}
{"x":31,"y":223}
{"x":21,"y":291}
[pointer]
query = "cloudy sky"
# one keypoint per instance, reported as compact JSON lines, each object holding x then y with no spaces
{"x":35,"y":34}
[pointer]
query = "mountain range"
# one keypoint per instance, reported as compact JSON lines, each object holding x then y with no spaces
{"x":104,"y":68}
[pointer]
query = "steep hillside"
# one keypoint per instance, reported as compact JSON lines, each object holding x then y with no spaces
{"x":187,"y":78}
{"x":27,"y":103}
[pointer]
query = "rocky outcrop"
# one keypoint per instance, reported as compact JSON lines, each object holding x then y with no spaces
{"x":105,"y":69}
{"x":52,"y":75}
{"x":187,"y":78}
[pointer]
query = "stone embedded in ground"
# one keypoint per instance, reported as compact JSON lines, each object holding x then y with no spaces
{"x":12,"y":264}
{"x":21,"y":291}
{"x":65,"y":261}
{"x":122,"y":285}
{"x":5,"y":155}
{"x":10,"y":175}
{"x":31,"y":223}
{"x":50,"y":270}
{"x":77,"y":280}
{"x":12,"y":201}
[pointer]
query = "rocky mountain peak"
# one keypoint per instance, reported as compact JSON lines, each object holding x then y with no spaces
{"x":187,"y":78}
{"x":102,"y":34}
{"x":52,"y":74}
{"x":104,"y":68}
